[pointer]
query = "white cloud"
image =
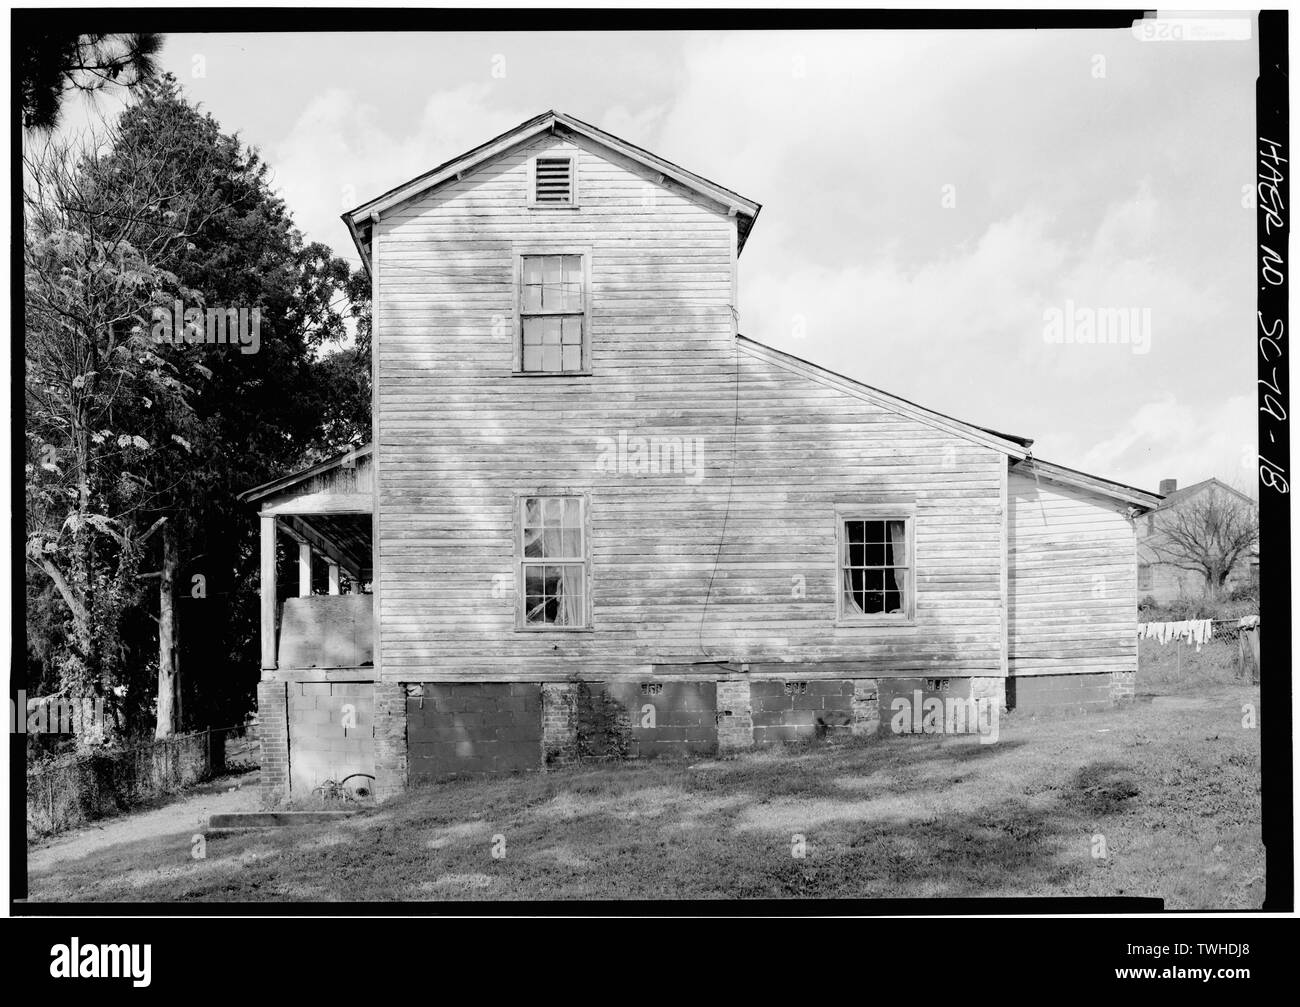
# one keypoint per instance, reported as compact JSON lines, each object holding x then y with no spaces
{"x":1170,"y":439}
{"x":335,"y":156}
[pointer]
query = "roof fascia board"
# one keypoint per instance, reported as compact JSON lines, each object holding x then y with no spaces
{"x":882,"y":399}
{"x":725,"y":198}
{"x":1095,"y":484}
{"x":457,"y":167}
{"x":730,"y":200}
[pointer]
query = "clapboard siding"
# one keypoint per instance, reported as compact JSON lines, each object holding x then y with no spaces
{"x":1073,"y":604}
{"x":458,"y":437}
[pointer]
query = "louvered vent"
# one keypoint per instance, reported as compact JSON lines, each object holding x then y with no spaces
{"x":554,"y":181}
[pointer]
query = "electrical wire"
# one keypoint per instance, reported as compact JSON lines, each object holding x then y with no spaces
{"x":726,"y":514}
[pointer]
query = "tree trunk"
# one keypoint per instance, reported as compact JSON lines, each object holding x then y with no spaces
{"x":168,"y":669}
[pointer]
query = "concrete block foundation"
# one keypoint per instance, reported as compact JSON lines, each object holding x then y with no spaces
{"x":407,"y":733}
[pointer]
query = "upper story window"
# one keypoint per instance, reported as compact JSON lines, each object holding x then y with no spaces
{"x":1144,"y":577}
{"x":553,"y":337}
{"x":552,"y":554}
{"x":876,"y":581}
{"x":552,"y":180}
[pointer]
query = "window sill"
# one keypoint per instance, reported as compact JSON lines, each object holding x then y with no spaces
{"x":550,"y":374}
{"x":880,"y":622}
{"x":554,"y":629}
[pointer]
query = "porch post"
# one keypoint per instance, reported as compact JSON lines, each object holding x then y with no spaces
{"x":334,"y":576}
{"x":304,"y":570}
{"x":268,"y":592}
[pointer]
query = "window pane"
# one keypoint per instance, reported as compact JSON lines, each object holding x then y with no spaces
{"x":533,"y":331}
{"x":552,"y":511}
{"x":571,"y":292}
{"x":571,"y":329}
{"x":550,"y":327}
{"x":854,"y":554}
{"x":551,"y":359}
{"x":532,"y":358}
{"x":532,"y":283}
{"x":571,"y":358}
{"x":551,"y":282}
{"x":875,"y":554}
{"x":572,"y":514}
{"x":534,"y":594}
{"x":570,"y":544}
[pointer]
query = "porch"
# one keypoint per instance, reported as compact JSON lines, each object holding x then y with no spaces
{"x":316,"y":700}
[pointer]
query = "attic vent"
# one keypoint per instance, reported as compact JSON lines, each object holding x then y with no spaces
{"x":554,"y":181}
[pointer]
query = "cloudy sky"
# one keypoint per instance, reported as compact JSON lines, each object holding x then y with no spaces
{"x":933,"y":202}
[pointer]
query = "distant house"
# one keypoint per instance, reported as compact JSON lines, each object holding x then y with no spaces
{"x":598,"y":519}
{"x":1160,"y":577}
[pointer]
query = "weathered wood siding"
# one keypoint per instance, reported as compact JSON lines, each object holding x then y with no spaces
{"x":457,"y":437}
{"x":1073,"y":581}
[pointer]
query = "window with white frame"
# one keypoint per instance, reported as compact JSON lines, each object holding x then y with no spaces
{"x":553,"y":567}
{"x":876,"y":578}
{"x":552,"y":314}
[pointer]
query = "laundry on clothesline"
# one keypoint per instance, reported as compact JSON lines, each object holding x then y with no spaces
{"x":1247,"y":621}
{"x":1197,"y":631}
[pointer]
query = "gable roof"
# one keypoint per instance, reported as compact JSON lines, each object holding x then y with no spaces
{"x":1179,"y":495}
{"x":346,"y":459}
{"x":1011,"y":445}
{"x":1141,"y":499}
{"x":361,"y":220}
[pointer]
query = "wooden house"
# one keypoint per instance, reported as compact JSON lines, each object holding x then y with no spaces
{"x":603,"y":522}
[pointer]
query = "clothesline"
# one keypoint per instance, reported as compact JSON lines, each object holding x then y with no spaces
{"x":1197,"y":631}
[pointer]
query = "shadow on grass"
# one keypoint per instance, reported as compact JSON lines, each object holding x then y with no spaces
{"x":914,"y":823}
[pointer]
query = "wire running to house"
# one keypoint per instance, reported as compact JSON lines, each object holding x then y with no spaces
{"x":726,"y":514}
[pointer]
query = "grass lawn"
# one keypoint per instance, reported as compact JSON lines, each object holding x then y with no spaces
{"x":1170,"y":783}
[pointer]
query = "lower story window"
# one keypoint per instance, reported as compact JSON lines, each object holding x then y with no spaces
{"x":1144,"y":576}
{"x":875,"y":568}
{"x":553,"y":562}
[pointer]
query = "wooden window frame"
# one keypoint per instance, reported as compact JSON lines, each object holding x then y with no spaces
{"x":1150,"y":577}
{"x":521,"y":595}
{"x":573,"y":203}
{"x":876,"y":512}
{"x":521,"y":253}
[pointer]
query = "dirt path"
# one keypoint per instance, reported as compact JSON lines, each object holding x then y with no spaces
{"x":180,"y":818}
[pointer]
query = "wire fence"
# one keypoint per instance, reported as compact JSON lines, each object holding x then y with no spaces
{"x":81,"y":790}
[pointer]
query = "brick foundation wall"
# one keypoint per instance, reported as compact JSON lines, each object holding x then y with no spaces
{"x":866,"y":707}
{"x":994,"y":689}
{"x":1123,"y":685}
{"x":559,"y":723}
{"x":273,"y":740}
{"x":486,"y":727}
{"x":796,"y":711}
{"x":390,"y":739}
